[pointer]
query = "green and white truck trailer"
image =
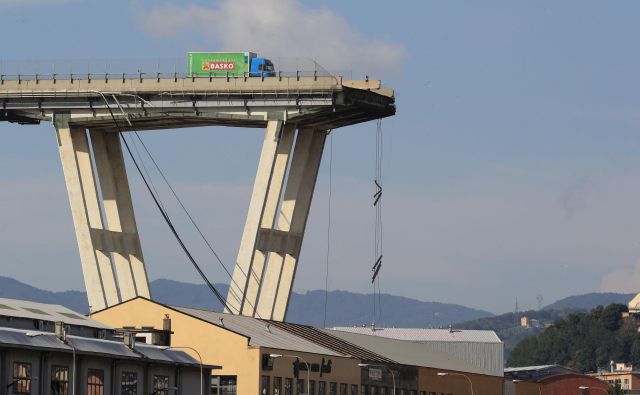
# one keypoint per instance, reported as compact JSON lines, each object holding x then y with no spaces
{"x":235,"y":64}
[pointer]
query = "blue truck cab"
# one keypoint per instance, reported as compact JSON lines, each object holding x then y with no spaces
{"x":261,"y":67}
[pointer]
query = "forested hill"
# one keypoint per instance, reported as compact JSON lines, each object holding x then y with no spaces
{"x":583,"y":341}
{"x":343,"y":309}
{"x":508,"y":328}
{"x":589,"y":301}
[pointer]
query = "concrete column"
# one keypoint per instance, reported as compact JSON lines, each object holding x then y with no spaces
{"x":119,"y":215}
{"x":243,"y":269}
{"x":294,"y":211}
{"x":280,"y":164}
{"x":85,"y":209}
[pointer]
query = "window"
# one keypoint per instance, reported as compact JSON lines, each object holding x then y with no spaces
{"x":277,"y":385}
{"x":160,"y":385}
{"x":299,"y":387}
{"x":215,"y":385}
{"x":59,"y":380}
{"x":265,"y":385}
{"x":322,"y":388}
{"x":21,"y":378}
{"x":333,"y":389}
{"x":95,"y":382}
{"x":312,"y":387}
{"x":354,"y":389}
{"x":223,"y":385}
{"x":364,"y":390}
{"x":288,"y":386}
{"x":129,"y":384}
{"x":343,"y":389}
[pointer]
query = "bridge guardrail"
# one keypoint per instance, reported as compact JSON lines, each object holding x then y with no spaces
{"x":34,"y":70}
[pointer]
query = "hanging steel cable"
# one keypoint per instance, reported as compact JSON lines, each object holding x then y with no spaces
{"x":377,"y":249}
{"x":209,"y":245}
{"x":326,"y":278}
{"x":162,"y":211}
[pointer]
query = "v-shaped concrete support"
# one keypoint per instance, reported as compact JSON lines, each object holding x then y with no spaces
{"x":274,"y":229}
{"x":102,"y":247}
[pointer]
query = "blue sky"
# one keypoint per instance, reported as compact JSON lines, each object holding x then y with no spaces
{"x":510,"y":170}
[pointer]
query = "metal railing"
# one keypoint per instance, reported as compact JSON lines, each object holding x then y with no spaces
{"x":142,"y":69}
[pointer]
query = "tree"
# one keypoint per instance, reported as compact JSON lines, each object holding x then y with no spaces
{"x":615,"y":389}
{"x":582,"y":341}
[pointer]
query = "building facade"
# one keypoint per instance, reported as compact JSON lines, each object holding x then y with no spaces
{"x":550,"y":380}
{"x":42,"y":354}
{"x":278,"y":358}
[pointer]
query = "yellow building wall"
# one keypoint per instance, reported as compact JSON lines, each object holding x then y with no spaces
{"x":217,"y":346}
{"x":633,"y":381}
{"x":429,"y":381}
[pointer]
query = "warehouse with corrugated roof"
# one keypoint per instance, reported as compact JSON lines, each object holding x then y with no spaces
{"x":480,"y":348}
{"x":279,"y":358}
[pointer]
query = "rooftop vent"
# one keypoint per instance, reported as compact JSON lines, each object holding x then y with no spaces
{"x":129,"y":339}
{"x":61,"y":331}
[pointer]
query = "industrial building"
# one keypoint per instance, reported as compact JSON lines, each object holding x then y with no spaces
{"x":278,"y":358}
{"x":550,"y":380}
{"x":620,"y":373}
{"x":444,"y":365}
{"x":51,"y":350}
{"x":480,"y":348}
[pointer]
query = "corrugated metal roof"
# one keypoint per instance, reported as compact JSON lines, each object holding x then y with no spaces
{"x":45,"y":312}
{"x":332,"y":342}
{"x":84,"y":345}
{"x":423,"y":334}
{"x":536,"y":373}
{"x":527,"y":368}
{"x":259,"y":334}
{"x":411,"y":353}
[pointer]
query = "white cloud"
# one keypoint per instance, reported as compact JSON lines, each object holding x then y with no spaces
{"x":279,"y":28}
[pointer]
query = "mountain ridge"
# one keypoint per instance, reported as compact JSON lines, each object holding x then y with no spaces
{"x":344,"y":308}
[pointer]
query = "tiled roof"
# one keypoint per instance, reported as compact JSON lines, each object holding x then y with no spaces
{"x":331,"y":342}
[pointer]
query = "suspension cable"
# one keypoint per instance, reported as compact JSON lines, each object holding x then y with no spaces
{"x":164,"y":213}
{"x":377,"y":248}
{"x":326,"y":278}
{"x":195,"y":225}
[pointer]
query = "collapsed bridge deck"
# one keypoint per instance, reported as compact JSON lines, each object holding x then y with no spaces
{"x":165,"y":103}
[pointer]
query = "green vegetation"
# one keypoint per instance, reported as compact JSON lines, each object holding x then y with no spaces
{"x":583,"y":341}
{"x":507,"y":326}
{"x":616,"y":389}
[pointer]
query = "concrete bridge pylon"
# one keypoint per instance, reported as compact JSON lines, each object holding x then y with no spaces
{"x":89,"y":114}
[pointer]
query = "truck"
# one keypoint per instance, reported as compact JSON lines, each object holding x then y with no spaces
{"x":233,"y":64}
